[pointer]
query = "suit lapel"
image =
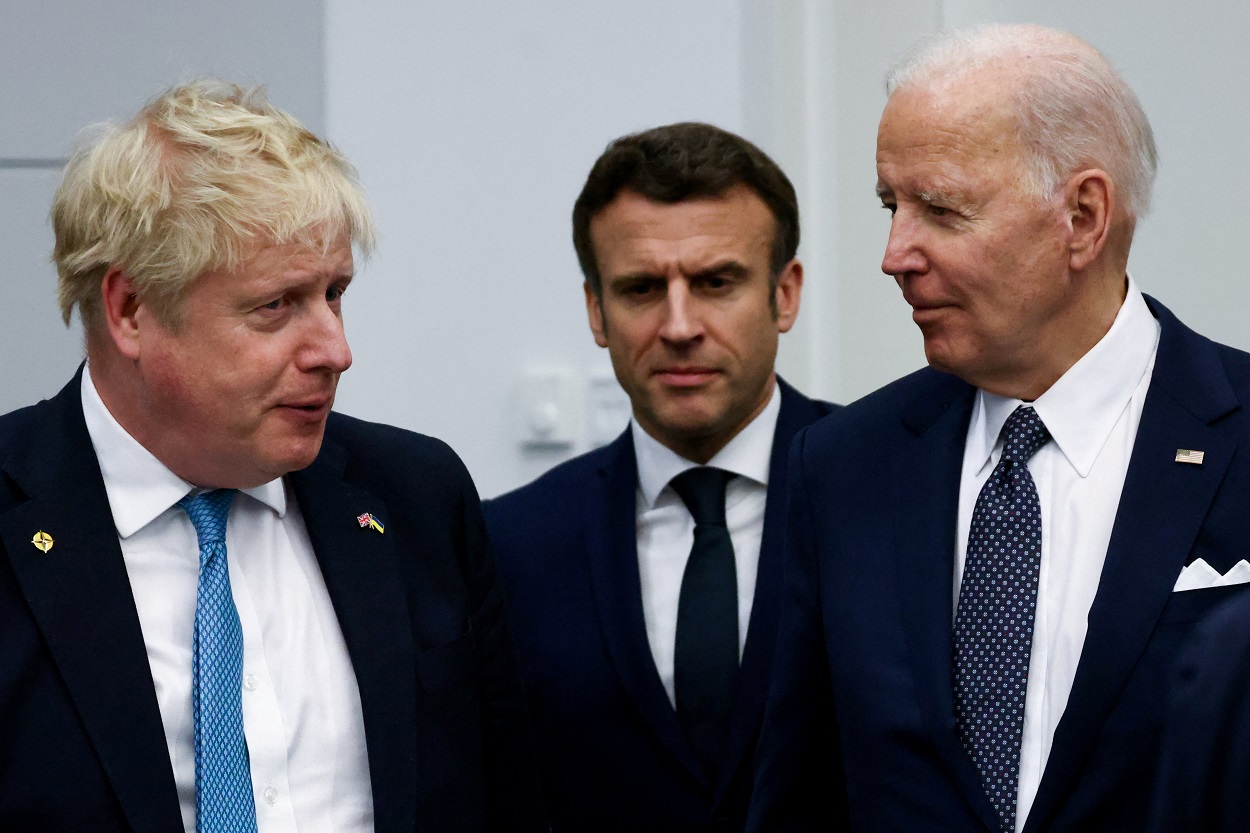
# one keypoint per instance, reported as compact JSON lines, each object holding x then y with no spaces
{"x":611,"y":546}
{"x":1161,"y":510}
{"x":80,"y":597}
{"x":757,"y":657}
{"x":926,"y":477}
{"x":359,"y":567}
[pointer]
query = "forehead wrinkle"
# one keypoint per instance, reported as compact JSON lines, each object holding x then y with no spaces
{"x":925,"y":185}
{"x":940,"y":165}
{"x":946,"y":194}
{"x":977,"y":121}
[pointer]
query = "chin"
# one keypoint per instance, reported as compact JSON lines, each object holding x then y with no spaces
{"x":300,"y":456}
{"x":690,"y":423}
{"x":940,"y":358}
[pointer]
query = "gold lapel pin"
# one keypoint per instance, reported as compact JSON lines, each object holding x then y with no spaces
{"x":1185,"y":455}
{"x":367,"y":521}
{"x":42,"y":541}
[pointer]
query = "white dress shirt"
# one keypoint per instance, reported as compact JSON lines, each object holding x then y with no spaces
{"x":301,"y":707}
{"x":1092,"y":413}
{"x":665,"y":527}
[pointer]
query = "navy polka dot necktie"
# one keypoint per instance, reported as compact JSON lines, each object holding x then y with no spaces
{"x":705,"y":654}
{"x":223,"y":779}
{"x":994,"y":623}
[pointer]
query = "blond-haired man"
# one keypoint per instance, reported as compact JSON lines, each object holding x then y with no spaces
{"x":225,"y":607}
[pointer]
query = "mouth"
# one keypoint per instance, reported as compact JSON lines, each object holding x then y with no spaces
{"x":925,"y":310}
{"x":311,"y":409}
{"x":686,"y":376}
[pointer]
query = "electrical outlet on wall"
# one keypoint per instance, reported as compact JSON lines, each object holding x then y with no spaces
{"x":548,"y":418}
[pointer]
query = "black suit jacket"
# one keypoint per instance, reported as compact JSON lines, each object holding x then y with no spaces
{"x":82,"y":746}
{"x":614,"y":757}
{"x":1204,"y":770}
{"x":864,"y":667}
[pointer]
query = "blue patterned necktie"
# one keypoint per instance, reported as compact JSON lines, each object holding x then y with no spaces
{"x":705,"y":653}
{"x":223,"y":778}
{"x":994,"y":624}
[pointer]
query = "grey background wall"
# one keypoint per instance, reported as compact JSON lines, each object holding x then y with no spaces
{"x":473,"y":124}
{"x":65,"y":64}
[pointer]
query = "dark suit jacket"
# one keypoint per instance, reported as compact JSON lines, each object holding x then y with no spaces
{"x":614,"y":757}
{"x":81,"y":742}
{"x":864,"y":663}
{"x":1204,"y":773}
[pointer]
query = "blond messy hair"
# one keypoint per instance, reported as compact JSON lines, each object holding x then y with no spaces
{"x":203,"y":176}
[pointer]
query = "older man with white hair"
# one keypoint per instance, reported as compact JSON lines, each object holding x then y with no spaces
{"x":993,"y":561}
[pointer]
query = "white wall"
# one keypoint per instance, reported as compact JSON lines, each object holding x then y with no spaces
{"x":474,"y":125}
{"x":825,"y":61}
{"x":65,"y":64}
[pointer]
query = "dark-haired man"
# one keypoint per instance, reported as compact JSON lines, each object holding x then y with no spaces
{"x":643,"y":578}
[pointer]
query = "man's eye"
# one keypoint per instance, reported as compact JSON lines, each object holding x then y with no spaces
{"x":335,"y":293}
{"x":890,"y":207}
{"x":275,"y":304}
{"x":937,"y":210}
{"x":640,"y":288}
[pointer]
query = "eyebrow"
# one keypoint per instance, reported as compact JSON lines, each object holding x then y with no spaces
{"x":936,"y":196}
{"x":732,"y":268}
{"x":931,"y":195}
{"x":630,"y":277}
{"x":284,"y":283}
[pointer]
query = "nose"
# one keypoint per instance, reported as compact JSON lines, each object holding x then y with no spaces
{"x":681,"y":319}
{"x":326,"y":342}
{"x":903,"y":253}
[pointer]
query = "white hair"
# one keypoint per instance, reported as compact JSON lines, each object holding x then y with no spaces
{"x":1073,"y":110}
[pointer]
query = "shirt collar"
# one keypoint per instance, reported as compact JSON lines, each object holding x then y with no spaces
{"x":746,"y":455}
{"x":140,"y":487}
{"x":1083,"y":406}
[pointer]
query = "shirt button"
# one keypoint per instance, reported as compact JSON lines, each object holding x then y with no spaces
{"x":249,"y":682}
{"x":271,"y":795}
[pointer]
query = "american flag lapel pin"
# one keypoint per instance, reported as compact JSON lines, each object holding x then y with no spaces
{"x":367,"y":521}
{"x":1187,"y":455}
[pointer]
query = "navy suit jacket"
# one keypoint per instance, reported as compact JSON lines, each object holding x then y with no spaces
{"x":82,"y":746}
{"x":1204,"y":778}
{"x":614,"y":757}
{"x":861,"y":724}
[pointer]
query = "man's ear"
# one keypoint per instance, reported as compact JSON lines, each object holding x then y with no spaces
{"x":120,"y":310}
{"x":1089,"y":198}
{"x":787,"y":294}
{"x":594,"y":312}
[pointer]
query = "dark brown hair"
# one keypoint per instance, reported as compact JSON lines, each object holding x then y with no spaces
{"x":685,"y":161}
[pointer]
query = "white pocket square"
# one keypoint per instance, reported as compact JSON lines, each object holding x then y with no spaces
{"x":1200,"y":575}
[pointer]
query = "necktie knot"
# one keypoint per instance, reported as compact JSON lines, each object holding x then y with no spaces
{"x":208,"y":512}
{"x":702,"y":489}
{"x":1023,"y":434}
